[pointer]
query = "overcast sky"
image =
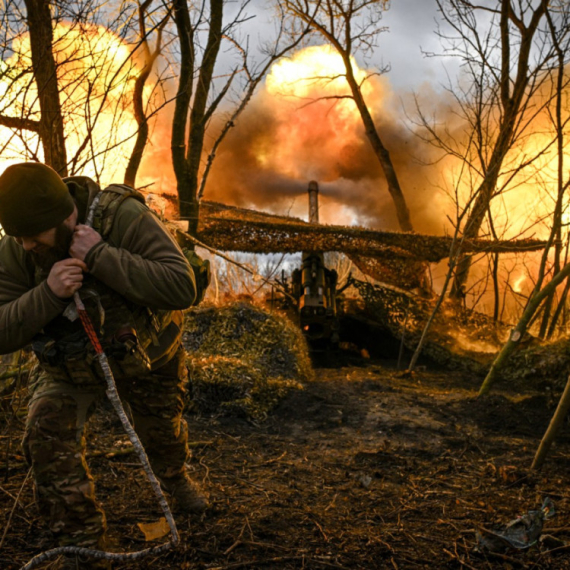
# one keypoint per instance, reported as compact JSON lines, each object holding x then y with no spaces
{"x":411,"y":25}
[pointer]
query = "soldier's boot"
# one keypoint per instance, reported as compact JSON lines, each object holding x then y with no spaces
{"x":189,"y":498}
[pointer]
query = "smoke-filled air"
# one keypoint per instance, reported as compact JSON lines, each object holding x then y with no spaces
{"x":302,"y":126}
{"x":284,"y":284}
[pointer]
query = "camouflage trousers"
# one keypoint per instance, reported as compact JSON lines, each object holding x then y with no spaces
{"x":54,"y":441}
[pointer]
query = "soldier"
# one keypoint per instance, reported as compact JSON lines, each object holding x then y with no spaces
{"x":134,"y":281}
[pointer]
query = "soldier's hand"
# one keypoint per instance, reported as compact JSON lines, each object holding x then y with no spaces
{"x":66,"y":277}
{"x":84,"y":238}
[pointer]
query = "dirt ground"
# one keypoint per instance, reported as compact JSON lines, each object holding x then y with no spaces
{"x":366,"y":468}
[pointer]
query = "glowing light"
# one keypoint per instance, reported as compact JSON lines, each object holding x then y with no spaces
{"x":518,"y":283}
{"x":316,"y":122}
{"x":96,"y":76}
{"x":471,"y":345}
{"x":313,"y":69}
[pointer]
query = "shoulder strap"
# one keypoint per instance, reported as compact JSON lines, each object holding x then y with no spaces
{"x":105,"y":206}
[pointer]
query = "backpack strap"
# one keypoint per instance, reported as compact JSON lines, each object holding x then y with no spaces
{"x":102,"y":215}
{"x":105,"y":205}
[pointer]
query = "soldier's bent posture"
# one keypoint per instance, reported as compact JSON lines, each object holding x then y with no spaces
{"x":134,"y":280}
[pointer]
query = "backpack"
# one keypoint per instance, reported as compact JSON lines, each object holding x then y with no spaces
{"x":101,"y":216}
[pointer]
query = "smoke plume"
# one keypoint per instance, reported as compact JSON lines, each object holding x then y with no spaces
{"x":290,"y":134}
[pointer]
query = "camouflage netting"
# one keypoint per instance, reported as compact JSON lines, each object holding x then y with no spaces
{"x":540,"y":362}
{"x":404,"y":271}
{"x":464,"y":340}
{"x":458,"y":339}
{"x":242,"y":359}
{"x":392,"y":257}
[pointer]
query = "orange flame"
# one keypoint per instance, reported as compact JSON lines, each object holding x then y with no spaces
{"x":96,"y":74}
{"x":300,"y":126}
{"x":303,"y":126}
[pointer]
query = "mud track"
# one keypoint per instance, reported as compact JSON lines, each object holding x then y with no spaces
{"x":364,"y":469}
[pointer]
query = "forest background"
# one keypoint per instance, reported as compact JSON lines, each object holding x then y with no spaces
{"x":443,"y":117}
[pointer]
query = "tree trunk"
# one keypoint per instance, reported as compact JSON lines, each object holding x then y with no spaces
{"x":182,"y":104}
{"x":482,"y":203}
{"x":198,"y":115}
{"x":559,"y":309}
{"x":142,"y":134}
{"x":553,"y":428}
{"x":511,"y":103}
{"x":379,"y":149}
{"x":50,"y":129}
{"x":138,"y":95}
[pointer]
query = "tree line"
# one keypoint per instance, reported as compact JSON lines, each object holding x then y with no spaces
{"x":61,"y":81}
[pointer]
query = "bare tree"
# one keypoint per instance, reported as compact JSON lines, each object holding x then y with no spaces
{"x":49,"y":125}
{"x":142,"y":115}
{"x":95,"y":84}
{"x":350,"y":27}
{"x":507,"y":57}
{"x":558,"y":21}
{"x":200,"y":94}
{"x":67,"y":76}
{"x":496,"y":119}
{"x":190,"y":110}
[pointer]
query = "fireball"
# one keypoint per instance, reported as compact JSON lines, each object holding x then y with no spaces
{"x":95,"y":74}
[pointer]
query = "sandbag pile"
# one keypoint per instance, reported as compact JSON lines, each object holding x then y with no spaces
{"x":242,"y":359}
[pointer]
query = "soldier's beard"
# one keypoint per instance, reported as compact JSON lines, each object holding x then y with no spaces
{"x":45,"y":259}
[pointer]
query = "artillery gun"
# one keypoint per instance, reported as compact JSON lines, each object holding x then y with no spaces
{"x":314,"y":287}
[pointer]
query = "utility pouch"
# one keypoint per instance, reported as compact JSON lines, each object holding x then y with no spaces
{"x":126,"y":356}
{"x":52,"y":352}
{"x":46,"y":350}
{"x":71,"y":360}
{"x":202,"y":273}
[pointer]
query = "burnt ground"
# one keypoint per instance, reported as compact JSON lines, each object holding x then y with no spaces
{"x":367,"y":468}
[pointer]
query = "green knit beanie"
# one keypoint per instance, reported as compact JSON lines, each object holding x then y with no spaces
{"x":33,"y":199}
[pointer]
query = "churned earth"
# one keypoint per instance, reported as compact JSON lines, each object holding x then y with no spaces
{"x":366,"y":468}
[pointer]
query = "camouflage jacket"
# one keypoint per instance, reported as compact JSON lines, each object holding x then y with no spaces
{"x":139,"y":260}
